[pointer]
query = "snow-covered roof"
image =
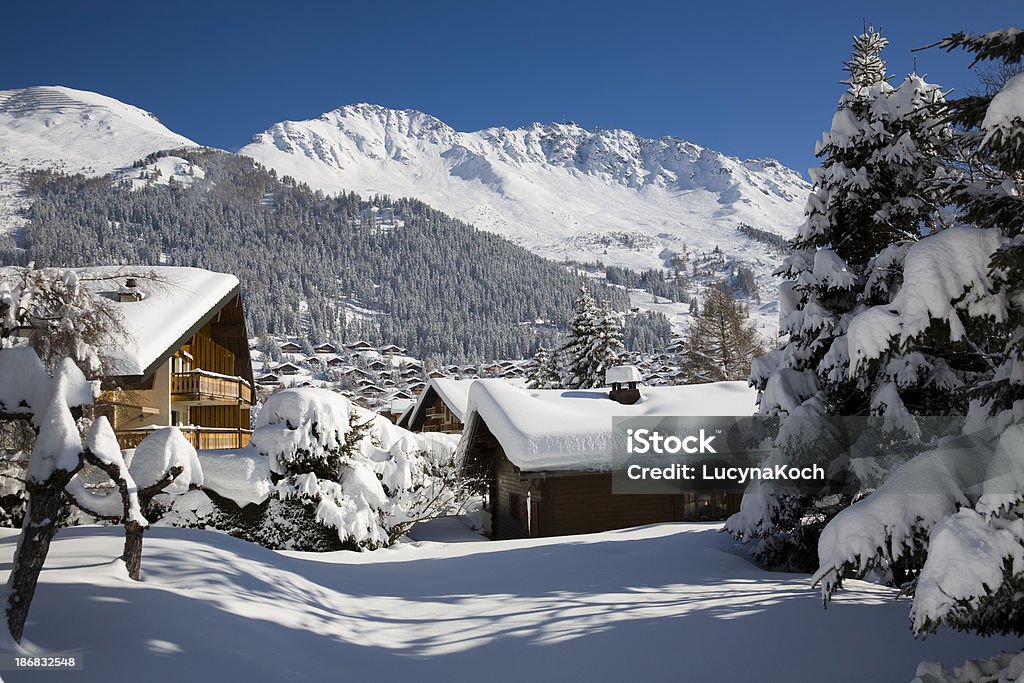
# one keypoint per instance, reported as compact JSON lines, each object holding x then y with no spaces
{"x":454,"y":393}
{"x":562,"y":429}
{"x":178,"y":301}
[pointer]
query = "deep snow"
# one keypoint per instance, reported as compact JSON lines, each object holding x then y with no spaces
{"x":667,"y":602}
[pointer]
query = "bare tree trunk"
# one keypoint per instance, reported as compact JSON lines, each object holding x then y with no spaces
{"x":40,"y":526}
{"x":132,"y":554}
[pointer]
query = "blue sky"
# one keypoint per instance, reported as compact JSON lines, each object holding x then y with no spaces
{"x":750,"y":79}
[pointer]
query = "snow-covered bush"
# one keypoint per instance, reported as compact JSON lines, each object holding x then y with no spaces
{"x":344,"y":476}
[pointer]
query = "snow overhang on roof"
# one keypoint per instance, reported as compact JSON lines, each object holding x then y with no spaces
{"x":177,"y":303}
{"x":571,"y":430}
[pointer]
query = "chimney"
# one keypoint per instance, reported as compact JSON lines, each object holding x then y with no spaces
{"x":623,"y":380}
{"x":129,"y":291}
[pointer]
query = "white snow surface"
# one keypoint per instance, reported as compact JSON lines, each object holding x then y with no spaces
{"x":25,"y":385}
{"x":660,"y":603}
{"x":571,"y":429}
{"x":935,"y":272}
{"x":559,"y":190}
{"x":241,"y":475}
{"x":622,"y":374}
{"x":1006,"y":110}
{"x":161,"y":172}
{"x":59,"y":445}
{"x":73,"y":131}
{"x":158,"y":453}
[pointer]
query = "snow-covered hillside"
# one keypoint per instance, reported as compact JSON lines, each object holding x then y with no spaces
{"x":668,"y":602}
{"x":557,"y":189}
{"x":74,"y":131}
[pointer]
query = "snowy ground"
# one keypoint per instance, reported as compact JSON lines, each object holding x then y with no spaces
{"x":668,"y":602}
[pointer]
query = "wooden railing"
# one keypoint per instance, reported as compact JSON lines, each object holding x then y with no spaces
{"x":201,"y":438}
{"x":199,"y":386}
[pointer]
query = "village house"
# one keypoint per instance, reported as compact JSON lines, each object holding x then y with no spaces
{"x":179,"y":358}
{"x":542,"y":457}
{"x":440,"y":408}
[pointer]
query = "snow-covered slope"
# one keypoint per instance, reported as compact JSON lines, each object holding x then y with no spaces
{"x":669,"y":602}
{"x":557,"y":189}
{"x":73,"y":131}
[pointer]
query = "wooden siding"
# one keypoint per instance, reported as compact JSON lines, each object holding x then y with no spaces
{"x":510,"y":494}
{"x":195,"y":387}
{"x":200,"y":438}
{"x":209,"y":355}
{"x":440,"y":418}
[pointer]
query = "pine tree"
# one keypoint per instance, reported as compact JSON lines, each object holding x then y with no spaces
{"x":966,"y":529}
{"x":542,"y":371}
{"x":721,"y":342}
{"x":595,"y":343}
{"x":878,"y":190}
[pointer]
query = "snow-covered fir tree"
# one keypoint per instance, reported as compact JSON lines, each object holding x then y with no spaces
{"x":964,"y":515}
{"x":595,"y":343}
{"x":880,"y":187}
{"x":542,"y":371}
{"x":721,"y":342}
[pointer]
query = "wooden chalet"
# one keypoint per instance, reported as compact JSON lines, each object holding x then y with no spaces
{"x":326,"y":347}
{"x":181,"y":359}
{"x":290,"y":347}
{"x":537,"y":483}
{"x":288,"y":369}
{"x":441,"y":407}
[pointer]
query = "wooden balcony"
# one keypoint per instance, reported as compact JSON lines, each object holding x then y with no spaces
{"x":202,"y":438}
{"x":204,"y":388}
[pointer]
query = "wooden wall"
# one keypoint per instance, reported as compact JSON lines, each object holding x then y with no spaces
{"x":440,"y":418}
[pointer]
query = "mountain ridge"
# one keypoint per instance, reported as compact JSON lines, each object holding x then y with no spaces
{"x":596,"y":191}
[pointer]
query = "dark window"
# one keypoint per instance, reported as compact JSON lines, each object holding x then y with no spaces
{"x":515,"y":505}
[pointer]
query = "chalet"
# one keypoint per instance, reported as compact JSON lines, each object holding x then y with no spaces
{"x":180,"y":355}
{"x":391,"y":350}
{"x":396,"y":408}
{"x":359,"y":346}
{"x":290,"y":347}
{"x":336,"y":362}
{"x":378,"y":365}
{"x":288,"y":369}
{"x":269,"y":378}
{"x":543,"y":456}
{"x":441,"y":407}
{"x":326,"y":347}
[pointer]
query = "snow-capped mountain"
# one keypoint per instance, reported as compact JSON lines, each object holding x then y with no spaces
{"x":558,"y":189}
{"x":74,"y":131}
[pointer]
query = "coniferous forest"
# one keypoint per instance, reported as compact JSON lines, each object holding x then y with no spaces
{"x":424,"y":280}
